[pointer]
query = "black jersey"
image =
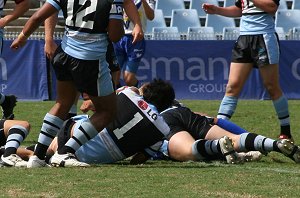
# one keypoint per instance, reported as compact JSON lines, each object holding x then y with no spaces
{"x":183,"y":119}
{"x":137,"y":125}
{"x":90,"y":16}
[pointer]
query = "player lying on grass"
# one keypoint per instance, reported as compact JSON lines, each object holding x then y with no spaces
{"x":129,"y":134}
{"x":12,"y":133}
{"x":136,"y":127}
{"x":189,"y":126}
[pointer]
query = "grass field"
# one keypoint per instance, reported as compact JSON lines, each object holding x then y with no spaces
{"x":274,"y":176}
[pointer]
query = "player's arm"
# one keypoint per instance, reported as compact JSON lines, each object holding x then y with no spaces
{"x":21,"y":7}
{"x":115,"y":26}
{"x":50,"y":45}
{"x":231,"y":11}
{"x":269,"y":6}
{"x":149,"y":11}
{"x":134,"y":17}
{"x":139,"y":158}
{"x":33,"y":23}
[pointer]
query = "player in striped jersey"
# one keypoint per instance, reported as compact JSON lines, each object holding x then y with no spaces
{"x":256,"y":47}
{"x":79,"y":64}
{"x":137,"y":127}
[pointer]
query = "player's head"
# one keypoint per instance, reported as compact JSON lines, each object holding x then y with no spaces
{"x":159,"y":93}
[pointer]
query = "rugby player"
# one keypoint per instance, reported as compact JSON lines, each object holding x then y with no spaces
{"x":80,"y":65}
{"x":256,"y":47}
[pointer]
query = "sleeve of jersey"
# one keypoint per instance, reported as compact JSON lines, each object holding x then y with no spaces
{"x":54,"y":3}
{"x":116,"y":11}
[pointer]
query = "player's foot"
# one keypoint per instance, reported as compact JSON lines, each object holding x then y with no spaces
{"x":35,"y":162}
{"x":8,"y":107}
{"x":13,"y":160}
{"x":66,"y":160}
{"x":251,"y":156}
{"x":232,"y":157}
{"x":290,"y":150}
{"x":283,"y":136}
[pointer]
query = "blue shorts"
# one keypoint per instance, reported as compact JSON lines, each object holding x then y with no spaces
{"x":99,"y":150}
{"x":129,"y":55}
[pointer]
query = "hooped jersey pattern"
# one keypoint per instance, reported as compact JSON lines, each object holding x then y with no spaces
{"x":255,"y":20}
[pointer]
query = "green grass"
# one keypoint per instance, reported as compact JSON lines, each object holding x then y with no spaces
{"x":274,"y":176}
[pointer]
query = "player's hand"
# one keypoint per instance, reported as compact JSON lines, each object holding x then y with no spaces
{"x":86,"y":106}
{"x":139,"y":158}
{"x":19,"y":42}
{"x":137,"y":33}
{"x":3,"y":22}
{"x":50,"y":47}
{"x":209,"y":8}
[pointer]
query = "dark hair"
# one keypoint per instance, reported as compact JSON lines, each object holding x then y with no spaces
{"x":159,"y":93}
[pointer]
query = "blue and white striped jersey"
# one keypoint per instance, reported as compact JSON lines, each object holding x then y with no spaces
{"x":254,"y":20}
{"x":86,"y":24}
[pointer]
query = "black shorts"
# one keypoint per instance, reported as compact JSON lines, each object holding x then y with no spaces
{"x":85,"y":74}
{"x":262,"y":49}
{"x":183,"y":119}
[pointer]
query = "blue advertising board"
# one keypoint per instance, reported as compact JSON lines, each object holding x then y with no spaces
{"x":197,"y":69}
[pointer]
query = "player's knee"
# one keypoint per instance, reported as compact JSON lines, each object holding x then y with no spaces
{"x":274,"y":91}
{"x":232,"y":89}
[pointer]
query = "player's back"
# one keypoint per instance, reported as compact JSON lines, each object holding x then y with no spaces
{"x":183,"y":119}
{"x":85,"y":27}
{"x":137,"y":125}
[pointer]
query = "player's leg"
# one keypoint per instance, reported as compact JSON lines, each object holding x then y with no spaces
{"x":238,"y":75}
{"x":8,"y":102}
{"x":53,"y":121}
{"x":113,"y":65}
{"x":66,"y":91}
{"x":255,"y":142}
{"x":216,"y":132}
{"x":270,"y":76}
{"x":267,"y":59}
{"x":120,"y":56}
{"x":183,"y":147}
{"x":15,"y":131}
{"x":73,"y":110}
{"x":240,"y":68}
{"x":95,"y":80}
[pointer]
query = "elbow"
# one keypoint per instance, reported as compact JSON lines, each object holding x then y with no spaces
{"x":151,"y":17}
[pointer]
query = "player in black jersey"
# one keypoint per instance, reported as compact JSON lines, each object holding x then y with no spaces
{"x":137,"y":127}
{"x":190,"y":131}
